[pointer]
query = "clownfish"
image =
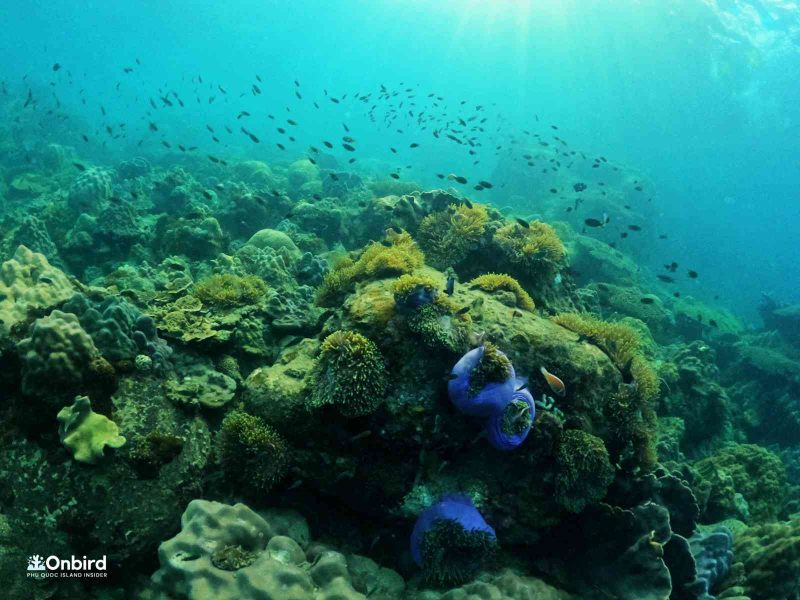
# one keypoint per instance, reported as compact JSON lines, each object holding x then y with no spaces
{"x":554,"y":382}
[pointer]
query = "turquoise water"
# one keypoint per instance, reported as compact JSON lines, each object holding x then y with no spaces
{"x":700,"y":97}
{"x":400,"y":299}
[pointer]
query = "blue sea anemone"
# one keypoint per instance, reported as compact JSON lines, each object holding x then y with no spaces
{"x":482,"y":382}
{"x":451,"y":541}
{"x":508,"y":429}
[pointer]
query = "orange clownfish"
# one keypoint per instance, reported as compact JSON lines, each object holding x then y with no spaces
{"x":554,"y":382}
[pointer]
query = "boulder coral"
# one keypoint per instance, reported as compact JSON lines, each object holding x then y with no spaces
{"x":57,"y":353}
{"x":29,"y":285}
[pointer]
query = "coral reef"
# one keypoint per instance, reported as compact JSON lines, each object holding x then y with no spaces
{"x":391,"y":362}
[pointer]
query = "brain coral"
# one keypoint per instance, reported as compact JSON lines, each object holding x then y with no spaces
{"x":225,"y":551}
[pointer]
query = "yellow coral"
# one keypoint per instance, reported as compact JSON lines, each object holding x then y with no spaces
{"x":401,"y":256}
{"x":538,"y":246}
{"x":447,"y":236}
{"x":230,"y":290}
{"x":622,"y":343}
{"x":407,"y":284}
{"x":491,"y":282}
{"x":631,"y":408}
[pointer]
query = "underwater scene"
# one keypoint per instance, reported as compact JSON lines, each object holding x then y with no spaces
{"x":400,"y":300}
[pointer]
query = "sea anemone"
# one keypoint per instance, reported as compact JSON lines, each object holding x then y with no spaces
{"x":350,"y":374}
{"x":451,"y":541}
{"x":482,"y":382}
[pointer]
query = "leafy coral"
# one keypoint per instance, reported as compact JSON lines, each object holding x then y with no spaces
{"x":87,"y":433}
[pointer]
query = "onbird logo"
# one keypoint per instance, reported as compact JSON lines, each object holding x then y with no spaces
{"x":35,"y":563}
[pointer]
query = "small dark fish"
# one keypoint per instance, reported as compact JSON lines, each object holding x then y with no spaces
{"x":85,"y":137}
{"x":393,"y":150}
{"x":208,"y":195}
{"x":638,"y":188}
{"x":334,"y":176}
{"x":671,"y":267}
{"x":634,"y":228}
{"x":485,"y":184}
{"x":348,"y":147}
{"x":152,"y":126}
{"x":467,"y":203}
{"x":327,"y":144}
{"x":244,"y":113}
{"x":676,"y":294}
{"x":623,"y":235}
{"x":523,"y":222}
{"x":56,"y":67}
{"x":413,"y":145}
{"x":663,"y":236}
{"x":213,"y":159}
{"x":79,"y":166}
{"x":665,"y":278}
{"x":646,"y":300}
{"x":281,"y":146}
{"x":712,"y":322}
{"x":693,"y":274}
{"x":457,"y":178}
{"x":440,"y":176}
{"x":394,"y":175}
{"x":593,"y":222}
{"x":166,"y":144}
{"x":579,"y":187}
{"x":462,"y":311}
{"x":553,"y":191}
